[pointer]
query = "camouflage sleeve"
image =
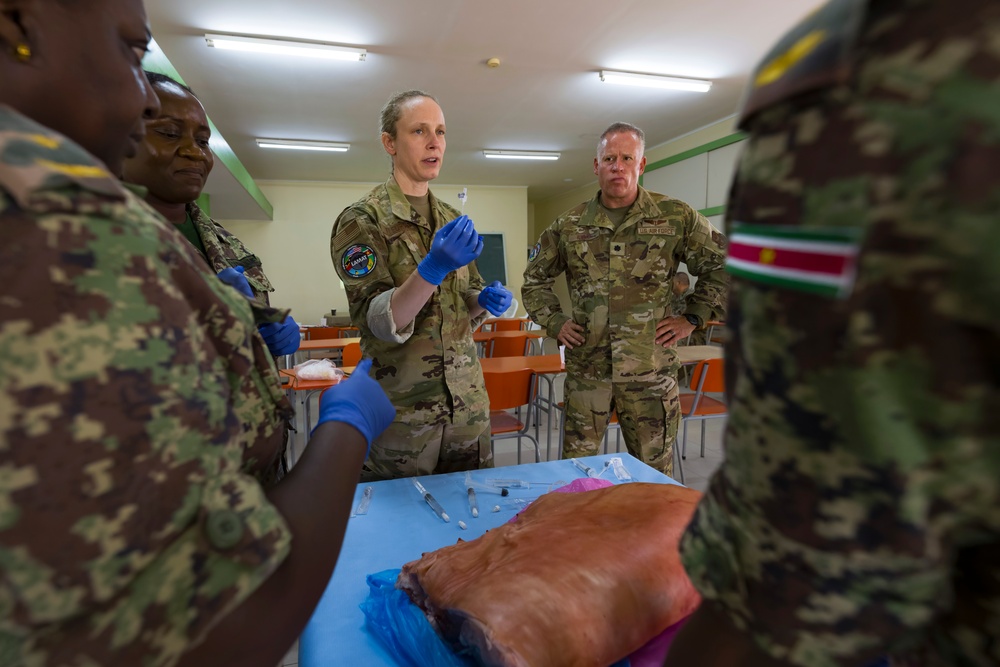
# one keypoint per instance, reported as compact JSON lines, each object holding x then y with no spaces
{"x":540,"y":300}
{"x":858,"y":508}
{"x":476,"y":284}
{"x":135,"y":396}
{"x":360,"y":256}
{"x":224,"y":249}
{"x":705,"y":256}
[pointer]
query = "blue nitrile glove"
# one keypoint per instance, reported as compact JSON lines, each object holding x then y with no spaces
{"x":455,"y":245}
{"x":281,"y":337}
{"x":495,"y":298}
{"x":235,"y":278}
{"x":358,"y":401}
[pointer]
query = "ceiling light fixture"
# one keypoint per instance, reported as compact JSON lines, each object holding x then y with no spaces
{"x":286,"y":47}
{"x":304,"y":145}
{"x":520,"y":155}
{"x":656,"y":81}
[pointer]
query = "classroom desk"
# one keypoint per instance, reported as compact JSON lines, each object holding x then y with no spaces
{"x":300,"y":391}
{"x":692,"y":354}
{"x":398,"y":528}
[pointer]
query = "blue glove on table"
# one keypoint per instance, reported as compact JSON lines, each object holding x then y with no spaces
{"x":455,"y":245}
{"x":358,"y":401}
{"x":235,"y":278}
{"x":495,"y":298}
{"x":281,"y":337}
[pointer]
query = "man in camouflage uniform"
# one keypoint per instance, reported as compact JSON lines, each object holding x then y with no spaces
{"x":124,"y":366}
{"x":857,"y":513}
{"x":620,"y":252}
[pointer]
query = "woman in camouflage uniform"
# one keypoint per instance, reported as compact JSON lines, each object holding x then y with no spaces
{"x":416,"y":296}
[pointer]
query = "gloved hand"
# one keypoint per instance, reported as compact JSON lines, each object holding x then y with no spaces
{"x":235,"y":278}
{"x":495,"y":298}
{"x":358,"y":401}
{"x":455,"y":245}
{"x":281,"y":337}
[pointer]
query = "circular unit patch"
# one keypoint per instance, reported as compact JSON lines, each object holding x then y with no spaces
{"x":359,"y":260}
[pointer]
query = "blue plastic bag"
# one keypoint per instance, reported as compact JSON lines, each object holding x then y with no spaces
{"x":403,"y":628}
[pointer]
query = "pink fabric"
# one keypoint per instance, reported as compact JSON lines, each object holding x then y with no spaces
{"x":655,"y":652}
{"x":576,"y":486}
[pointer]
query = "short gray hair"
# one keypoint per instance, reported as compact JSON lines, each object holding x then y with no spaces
{"x":620,"y":128}
{"x":393,"y":109}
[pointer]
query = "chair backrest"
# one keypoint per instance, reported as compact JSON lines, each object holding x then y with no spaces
{"x":349,"y":332}
{"x":709,"y":376}
{"x":351,"y":355}
{"x":515,"y":346}
{"x":511,"y":324}
{"x":319,"y":333}
{"x":510,"y":389}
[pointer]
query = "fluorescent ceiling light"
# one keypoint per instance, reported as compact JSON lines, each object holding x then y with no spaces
{"x":285,"y":47}
{"x":521,"y":155}
{"x":303,"y":145}
{"x":656,"y":81}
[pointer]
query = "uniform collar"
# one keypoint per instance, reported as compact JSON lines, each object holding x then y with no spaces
{"x":643,"y":207}
{"x":37,"y":165}
{"x":401,"y":208}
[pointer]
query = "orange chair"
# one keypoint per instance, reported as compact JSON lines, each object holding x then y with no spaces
{"x":351,"y":355}
{"x":708,"y":378}
{"x":349,"y":332}
{"x":516,"y":346}
{"x":317,"y":333}
{"x":510,"y":390}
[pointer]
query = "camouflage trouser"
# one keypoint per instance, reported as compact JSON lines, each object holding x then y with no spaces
{"x":405,"y":450}
{"x":649,"y":414}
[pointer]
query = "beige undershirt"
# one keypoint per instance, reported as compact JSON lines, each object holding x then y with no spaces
{"x":422,"y":205}
{"x":616,"y":215}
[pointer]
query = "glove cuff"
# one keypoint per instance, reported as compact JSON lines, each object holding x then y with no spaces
{"x":350,"y":415}
{"x":432,"y":271}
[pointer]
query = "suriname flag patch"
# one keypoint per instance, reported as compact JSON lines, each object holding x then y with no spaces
{"x":820,"y":261}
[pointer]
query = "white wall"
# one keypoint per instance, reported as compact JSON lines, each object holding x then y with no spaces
{"x":295,"y":246}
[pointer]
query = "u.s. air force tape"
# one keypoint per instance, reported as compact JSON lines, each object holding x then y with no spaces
{"x":359,"y":260}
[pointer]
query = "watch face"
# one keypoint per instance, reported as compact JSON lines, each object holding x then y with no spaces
{"x":691,"y":319}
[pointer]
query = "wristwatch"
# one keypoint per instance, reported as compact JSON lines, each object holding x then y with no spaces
{"x":693,"y":319}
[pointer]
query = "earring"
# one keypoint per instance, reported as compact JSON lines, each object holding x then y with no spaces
{"x":23,"y":52}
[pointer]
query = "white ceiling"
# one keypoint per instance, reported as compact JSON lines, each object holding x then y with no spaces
{"x":546,"y":95}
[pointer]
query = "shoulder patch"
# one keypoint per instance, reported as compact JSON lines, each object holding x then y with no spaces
{"x":818,"y":261}
{"x":533,"y":252}
{"x":359,"y":260}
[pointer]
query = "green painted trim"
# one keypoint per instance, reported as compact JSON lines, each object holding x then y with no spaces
{"x":156,"y":61}
{"x":715,"y":210}
{"x":204,"y":202}
{"x":698,"y":150}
